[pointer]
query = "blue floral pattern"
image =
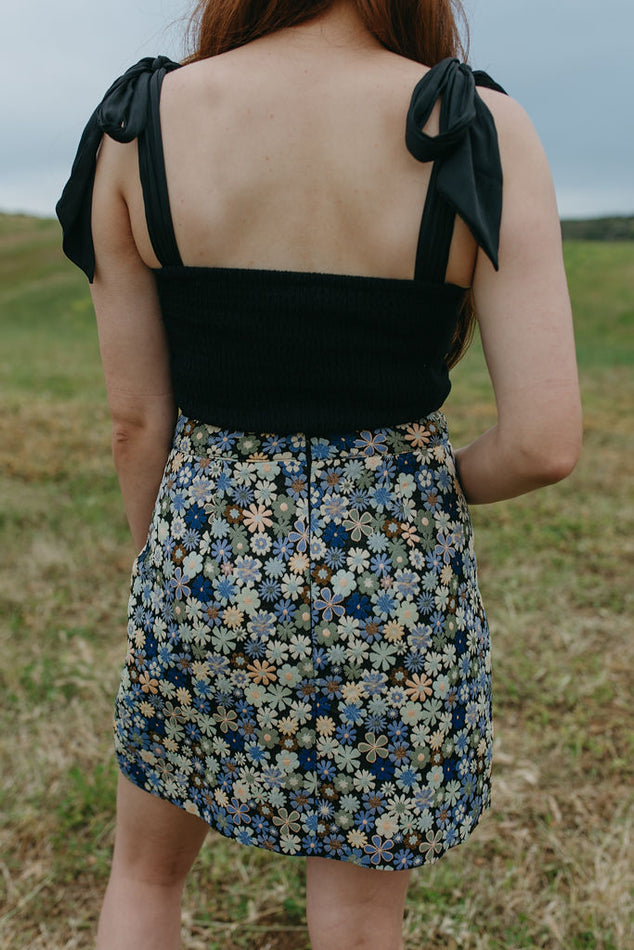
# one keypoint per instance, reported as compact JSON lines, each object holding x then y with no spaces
{"x":308,"y":665}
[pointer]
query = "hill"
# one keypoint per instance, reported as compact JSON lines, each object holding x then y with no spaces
{"x":599,"y":229}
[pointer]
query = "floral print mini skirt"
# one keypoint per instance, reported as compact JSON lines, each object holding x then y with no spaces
{"x":308,"y":666}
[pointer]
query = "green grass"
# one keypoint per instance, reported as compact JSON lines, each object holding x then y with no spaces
{"x":550,"y":865}
{"x":601,"y":276}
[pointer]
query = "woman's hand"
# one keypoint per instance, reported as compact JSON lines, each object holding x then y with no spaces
{"x":526,"y":327}
{"x":132,"y":343}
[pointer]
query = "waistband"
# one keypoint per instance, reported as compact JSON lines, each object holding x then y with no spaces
{"x":201,"y":439}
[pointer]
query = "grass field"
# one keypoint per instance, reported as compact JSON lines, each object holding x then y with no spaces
{"x":549,"y":866}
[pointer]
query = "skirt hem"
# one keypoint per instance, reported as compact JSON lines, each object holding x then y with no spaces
{"x":354,"y":856}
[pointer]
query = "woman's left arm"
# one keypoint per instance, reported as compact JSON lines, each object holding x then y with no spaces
{"x":132,"y":343}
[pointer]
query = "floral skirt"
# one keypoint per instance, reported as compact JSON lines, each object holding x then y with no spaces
{"x":308,"y":665}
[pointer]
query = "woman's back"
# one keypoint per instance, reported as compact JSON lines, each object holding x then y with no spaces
{"x":289,"y":154}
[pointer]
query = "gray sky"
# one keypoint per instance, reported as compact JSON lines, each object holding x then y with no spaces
{"x":569,"y":62}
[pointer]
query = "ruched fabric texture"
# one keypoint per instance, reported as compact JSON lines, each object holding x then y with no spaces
{"x":319,"y":353}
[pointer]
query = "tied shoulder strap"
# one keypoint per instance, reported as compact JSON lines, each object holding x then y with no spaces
{"x":467,"y":173}
{"x":123,"y":114}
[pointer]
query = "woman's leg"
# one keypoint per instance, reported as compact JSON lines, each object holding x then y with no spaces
{"x":156,"y":844}
{"x":352,"y":907}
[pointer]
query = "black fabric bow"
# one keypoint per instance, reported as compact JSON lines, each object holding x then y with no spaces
{"x":121,"y":114}
{"x":470,"y":170}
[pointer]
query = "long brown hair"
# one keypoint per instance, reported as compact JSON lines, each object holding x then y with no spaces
{"x":425,"y":31}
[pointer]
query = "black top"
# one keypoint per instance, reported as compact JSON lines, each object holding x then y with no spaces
{"x":286,"y":351}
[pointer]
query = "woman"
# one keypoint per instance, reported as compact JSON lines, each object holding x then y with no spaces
{"x":308,"y":666}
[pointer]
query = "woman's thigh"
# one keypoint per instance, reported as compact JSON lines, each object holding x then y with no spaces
{"x":350,"y":906}
{"x":154,"y":840}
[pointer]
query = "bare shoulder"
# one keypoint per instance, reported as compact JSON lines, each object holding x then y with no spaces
{"x":520,"y":144}
{"x":205,"y":78}
{"x":114,"y":157}
{"x":507,"y":111}
{"x":190,"y":75}
{"x":115,"y":175}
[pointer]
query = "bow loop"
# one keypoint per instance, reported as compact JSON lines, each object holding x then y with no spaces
{"x":122,"y":111}
{"x":470,"y":169}
{"x":455,"y":83}
{"x":122,"y":114}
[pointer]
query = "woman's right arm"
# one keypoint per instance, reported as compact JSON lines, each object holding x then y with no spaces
{"x":526,"y":328}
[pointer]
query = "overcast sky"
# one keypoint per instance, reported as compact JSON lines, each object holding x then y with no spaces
{"x":569,"y":62}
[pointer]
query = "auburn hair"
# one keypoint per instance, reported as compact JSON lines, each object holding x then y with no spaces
{"x":426,"y":31}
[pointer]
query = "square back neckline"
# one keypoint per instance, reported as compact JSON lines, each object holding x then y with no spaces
{"x":156,"y":131}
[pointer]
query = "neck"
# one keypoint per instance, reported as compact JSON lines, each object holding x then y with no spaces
{"x":339,"y":26}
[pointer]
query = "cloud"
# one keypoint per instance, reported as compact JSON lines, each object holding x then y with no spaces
{"x":57,"y":60}
{"x":569,"y":63}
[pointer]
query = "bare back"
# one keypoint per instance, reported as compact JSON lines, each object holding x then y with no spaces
{"x":288,"y":159}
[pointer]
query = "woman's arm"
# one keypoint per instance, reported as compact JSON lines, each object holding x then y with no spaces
{"x":132,"y":344}
{"x":526,"y":327}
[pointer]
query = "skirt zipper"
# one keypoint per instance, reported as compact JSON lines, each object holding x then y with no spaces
{"x":309,"y":462}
